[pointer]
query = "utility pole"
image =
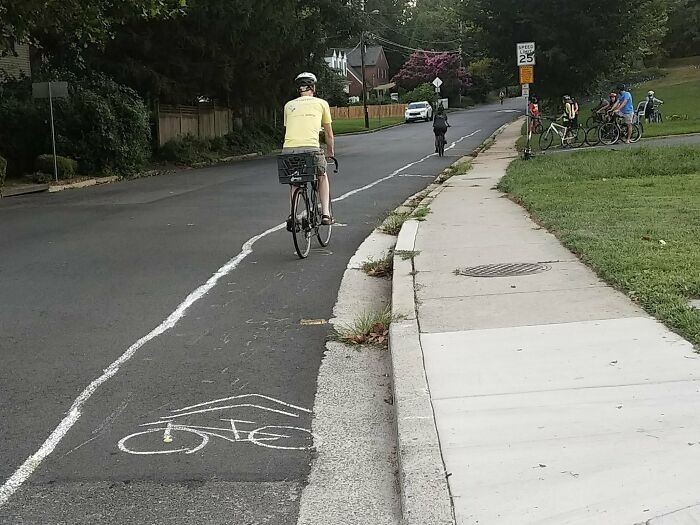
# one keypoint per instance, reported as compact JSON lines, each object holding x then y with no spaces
{"x":364,"y":81}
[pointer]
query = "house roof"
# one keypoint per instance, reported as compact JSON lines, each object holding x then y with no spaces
{"x":357,"y":75}
{"x":372,"y":55}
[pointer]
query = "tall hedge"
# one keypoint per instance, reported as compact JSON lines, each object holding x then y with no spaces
{"x":103,"y":125}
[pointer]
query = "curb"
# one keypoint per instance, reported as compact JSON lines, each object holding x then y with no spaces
{"x":425,"y":491}
{"x":83,"y":183}
{"x":370,"y":131}
{"x":425,"y":494}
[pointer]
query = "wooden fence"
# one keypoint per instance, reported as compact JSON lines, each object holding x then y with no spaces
{"x":199,"y":121}
{"x":352,"y":112}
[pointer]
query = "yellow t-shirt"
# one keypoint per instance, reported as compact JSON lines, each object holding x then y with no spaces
{"x":303,"y":118}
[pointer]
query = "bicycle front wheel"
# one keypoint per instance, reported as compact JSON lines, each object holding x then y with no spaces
{"x":301,"y":232}
{"x":592,"y":136}
{"x":546,"y":139}
{"x":578,"y":138}
{"x":323,"y":231}
{"x":608,"y":133}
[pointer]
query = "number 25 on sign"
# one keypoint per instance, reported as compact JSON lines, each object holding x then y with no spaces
{"x":525,"y":53}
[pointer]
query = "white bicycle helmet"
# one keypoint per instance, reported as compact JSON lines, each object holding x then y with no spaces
{"x":651,"y":93}
{"x":305,"y":80}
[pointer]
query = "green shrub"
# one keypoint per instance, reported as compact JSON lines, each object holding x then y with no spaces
{"x":421,"y":93}
{"x":67,"y":168}
{"x":186,"y":150}
{"x":105,"y":126}
{"x":24,"y":131}
{"x":3,"y":170}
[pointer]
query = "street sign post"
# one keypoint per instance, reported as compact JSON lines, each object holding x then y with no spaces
{"x":525,"y":58}
{"x":51,"y":90}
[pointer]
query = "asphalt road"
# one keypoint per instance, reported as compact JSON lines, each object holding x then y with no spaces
{"x":86,"y":274}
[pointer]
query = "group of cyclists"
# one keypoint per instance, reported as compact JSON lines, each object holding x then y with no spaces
{"x":618,"y":104}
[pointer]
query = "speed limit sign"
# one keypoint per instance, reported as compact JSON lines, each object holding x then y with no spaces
{"x":525,"y":53}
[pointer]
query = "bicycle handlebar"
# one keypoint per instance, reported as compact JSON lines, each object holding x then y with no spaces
{"x":335,"y":161}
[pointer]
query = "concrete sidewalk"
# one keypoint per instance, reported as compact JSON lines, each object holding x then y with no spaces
{"x":556,"y":399}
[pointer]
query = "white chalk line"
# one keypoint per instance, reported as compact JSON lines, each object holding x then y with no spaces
{"x":32,"y":462}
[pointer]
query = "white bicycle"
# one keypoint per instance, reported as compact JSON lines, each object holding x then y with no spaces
{"x":568,"y":137}
{"x":170,"y":436}
{"x":175,"y":438}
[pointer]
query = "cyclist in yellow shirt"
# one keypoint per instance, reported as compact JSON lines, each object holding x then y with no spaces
{"x":304,"y":117}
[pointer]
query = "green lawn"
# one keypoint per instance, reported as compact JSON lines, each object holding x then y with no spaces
{"x":632,"y":215}
{"x":680,"y":91}
{"x":354,"y":125}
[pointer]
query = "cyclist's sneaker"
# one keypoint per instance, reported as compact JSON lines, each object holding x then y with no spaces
{"x":327,"y":220}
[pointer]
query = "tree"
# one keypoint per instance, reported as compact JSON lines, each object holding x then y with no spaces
{"x":62,"y":25}
{"x":331,"y":86}
{"x":683,"y":37}
{"x":226,"y":51}
{"x":423,"y":67}
{"x":578,"y":43}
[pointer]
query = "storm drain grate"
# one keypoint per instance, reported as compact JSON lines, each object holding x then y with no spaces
{"x":503,"y":270}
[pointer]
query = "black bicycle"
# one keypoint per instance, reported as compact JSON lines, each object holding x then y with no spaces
{"x":301,"y":171}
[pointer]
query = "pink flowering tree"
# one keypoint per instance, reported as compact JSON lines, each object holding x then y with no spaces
{"x":422,"y":68}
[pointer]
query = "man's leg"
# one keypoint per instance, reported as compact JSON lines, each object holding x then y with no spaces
{"x":324,"y":191}
{"x":629,"y":132}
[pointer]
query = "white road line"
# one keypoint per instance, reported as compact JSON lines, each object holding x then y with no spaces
{"x":32,"y":462}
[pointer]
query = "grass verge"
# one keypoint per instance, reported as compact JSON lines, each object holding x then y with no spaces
{"x":383,"y":267}
{"x":369,"y":328}
{"x":358,"y":124}
{"x":633,"y":216}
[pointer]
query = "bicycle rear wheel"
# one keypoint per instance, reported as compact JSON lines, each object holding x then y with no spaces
{"x":323,"y":231}
{"x":608,"y":133}
{"x":301,"y":232}
{"x":441,"y":146}
{"x":546,"y":139}
{"x":636,"y":133}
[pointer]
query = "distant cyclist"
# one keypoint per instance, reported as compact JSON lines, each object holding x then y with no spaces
{"x":570,"y":116}
{"x":533,"y":109}
{"x":606,"y":104}
{"x":440,"y":125}
{"x":652,"y":101}
{"x":624,"y":108}
{"x":303,"y":119}
{"x":501,"y":95}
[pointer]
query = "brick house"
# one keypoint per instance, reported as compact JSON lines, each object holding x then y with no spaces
{"x":376,"y":67}
{"x":16,"y":62}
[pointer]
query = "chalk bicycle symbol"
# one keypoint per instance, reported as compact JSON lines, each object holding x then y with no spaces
{"x":181,"y":438}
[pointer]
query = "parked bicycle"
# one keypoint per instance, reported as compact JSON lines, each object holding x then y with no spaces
{"x":301,"y":171}
{"x":569,"y":137}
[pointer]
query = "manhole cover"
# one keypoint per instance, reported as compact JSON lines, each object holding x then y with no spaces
{"x":503,"y":270}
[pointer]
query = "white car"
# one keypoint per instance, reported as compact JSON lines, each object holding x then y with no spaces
{"x":419,"y":111}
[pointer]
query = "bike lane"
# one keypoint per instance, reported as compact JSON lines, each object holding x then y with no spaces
{"x":243,"y":338}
